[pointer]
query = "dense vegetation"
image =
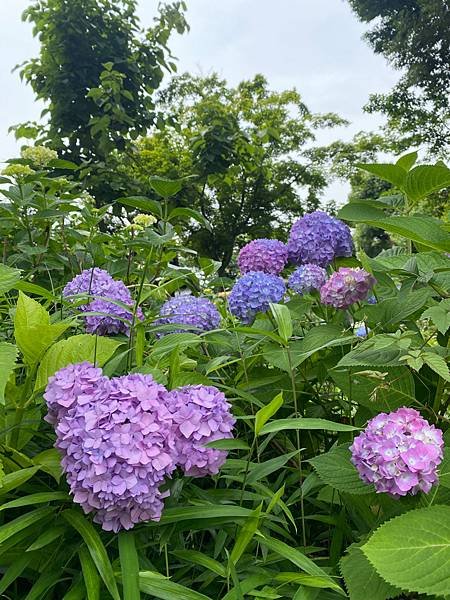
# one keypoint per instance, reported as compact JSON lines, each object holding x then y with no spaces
{"x":188,"y":409}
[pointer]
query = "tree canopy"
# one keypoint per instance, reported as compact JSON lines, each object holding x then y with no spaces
{"x":414,"y":37}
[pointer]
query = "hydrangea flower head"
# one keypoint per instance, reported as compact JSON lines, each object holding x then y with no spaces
{"x":268,"y":256}
{"x":253,"y":293}
{"x":194,"y":312}
{"x":318,"y":238}
{"x":399,"y":453}
{"x":201,"y":414}
{"x":307,"y":278}
{"x":362,"y":331}
{"x":346,"y":286}
{"x":109,"y":296}
{"x":40,"y":156}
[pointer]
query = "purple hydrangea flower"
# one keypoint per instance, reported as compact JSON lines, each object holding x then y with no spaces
{"x":268,"y":256}
{"x":253,"y":293}
{"x":201,"y":414}
{"x":346,"y":286}
{"x":307,"y":278}
{"x":318,"y":238}
{"x":399,"y":453}
{"x":191,"y":311}
{"x":110,"y":297}
{"x":117,"y":441}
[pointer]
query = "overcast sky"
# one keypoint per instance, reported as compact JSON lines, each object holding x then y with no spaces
{"x":313,"y":45}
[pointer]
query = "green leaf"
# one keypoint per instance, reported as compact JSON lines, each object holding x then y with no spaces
{"x":246,"y":534}
{"x":306,"y":424}
{"x":32,"y":328}
{"x":444,"y":469}
{"x":359,"y":212}
{"x":76,"y":592}
{"x":395,"y":174}
{"x":394,"y":310}
{"x":437,"y":363}
{"x":49,"y":461}
{"x":8,"y":357}
{"x":378,"y":351}
{"x":283,"y":320}
{"x":75,"y":349}
{"x":166,"y":187}
{"x":439,"y":315}
{"x":58,"y":163}
{"x":8,"y":278}
{"x":14,"y":571}
{"x":37,"y":498}
{"x":260,"y":470}
{"x":299,"y":559}
{"x":12,"y":527}
{"x":96,"y":549}
{"x":228,"y":444}
{"x":142,"y":203}
{"x":189,"y":213}
{"x":335,"y":469}
{"x":412,"y":551}
{"x":423,"y":230}
{"x":264,"y":413}
{"x":426,"y":179}
{"x":361,"y":579}
{"x":42,"y":585}
{"x":158,"y":586}
{"x":129,"y":565}
{"x":16,"y":478}
{"x":203,"y":560}
{"x":90,"y":574}
{"x":49,"y":536}
{"x":407,"y":160}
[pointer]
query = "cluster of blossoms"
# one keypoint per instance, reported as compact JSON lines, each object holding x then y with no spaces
{"x":318,"y":238}
{"x":39,"y":156}
{"x":190,"y":311}
{"x":307,"y":278}
{"x":399,"y":453}
{"x":18,"y":172}
{"x":267,"y":256}
{"x":144,"y":220}
{"x":253,"y":293}
{"x":346,"y":286}
{"x":121,"y":438}
{"x":110,"y":297}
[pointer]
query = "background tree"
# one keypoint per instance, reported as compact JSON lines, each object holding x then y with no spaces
{"x":249,"y":147}
{"x":414,"y":36}
{"x":96,"y":72}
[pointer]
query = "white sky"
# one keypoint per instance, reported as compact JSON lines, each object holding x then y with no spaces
{"x":313,"y":45}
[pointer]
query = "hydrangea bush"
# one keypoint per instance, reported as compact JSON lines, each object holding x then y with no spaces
{"x":295,"y":417}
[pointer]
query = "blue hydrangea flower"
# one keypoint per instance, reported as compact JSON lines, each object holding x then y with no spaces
{"x":195,"y":313}
{"x":307,"y":278}
{"x":362,"y":331}
{"x":253,"y":293}
{"x":318,"y":238}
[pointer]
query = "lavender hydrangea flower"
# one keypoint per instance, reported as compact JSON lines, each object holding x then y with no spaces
{"x":253,"y":293}
{"x":307,"y":278}
{"x":318,"y":238}
{"x":346,"y":286}
{"x":399,"y":453}
{"x":191,"y":311}
{"x":117,"y":442}
{"x":268,"y":256}
{"x":110,"y":297}
{"x":201,"y":414}
{"x":362,"y":331}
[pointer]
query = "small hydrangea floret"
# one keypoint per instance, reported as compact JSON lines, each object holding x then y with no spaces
{"x":318,"y":238}
{"x":399,"y":453}
{"x":268,"y":256}
{"x":253,"y":293}
{"x":107,"y":296}
{"x":346,"y":286}
{"x":307,"y":278}
{"x":192,"y":312}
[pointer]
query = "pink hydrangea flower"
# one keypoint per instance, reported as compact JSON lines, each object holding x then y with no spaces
{"x":346,"y":286}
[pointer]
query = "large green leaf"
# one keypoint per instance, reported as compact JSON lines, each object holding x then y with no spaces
{"x":361,"y":579}
{"x":166,"y":187}
{"x":264,"y":413}
{"x":96,"y":549}
{"x":395,"y":174}
{"x":189,"y":213}
{"x":8,"y":357}
{"x":32,"y":328}
{"x":305,"y":424}
{"x":392,"y":311}
{"x":76,"y":349}
{"x":8,"y":278}
{"x":90,"y":574}
{"x":407,"y":160}
{"x":142,"y":203}
{"x":12,"y":527}
{"x":423,"y":230}
{"x":412,"y":551}
{"x":378,"y":351}
{"x":426,"y":179}
{"x":158,"y":586}
{"x":129,"y":565}
{"x":207,"y":511}
{"x":335,"y":469}
{"x":246,"y":535}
